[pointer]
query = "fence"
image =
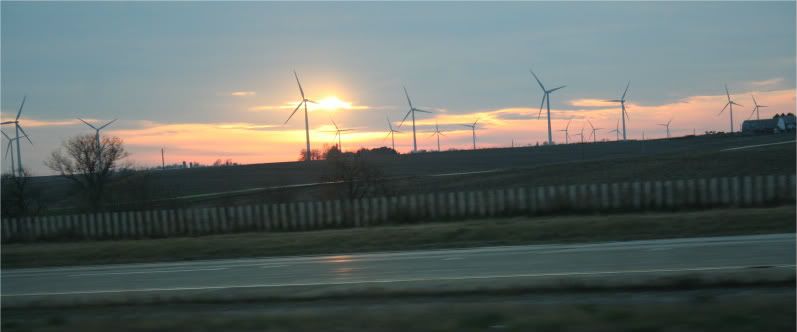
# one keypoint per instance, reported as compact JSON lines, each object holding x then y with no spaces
{"x":627,"y":196}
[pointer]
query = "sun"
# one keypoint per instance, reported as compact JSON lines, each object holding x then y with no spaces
{"x":331,"y":104}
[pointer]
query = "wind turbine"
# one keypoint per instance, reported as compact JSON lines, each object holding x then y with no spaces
{"x":392,"y":131}
{"x":97,"y":135}
{"x":10,"y":148}
{"x":668,"y":127}
{"x":412,"y":111}
{"x":623,"y":114}
{"x":581,"y":134}
{"x":594,"y":132}
{"x":338,"y":133}
{"x":729,"y":103}
{"x":546,"y":97}
{"x":17,"y":129}
{"x":567,"y":136}
{"x":616,"y":131}
{"x":755,"y":109}
{"x":437,"y":133}
{"x":306,"y":121}
{"x":473,"y":130}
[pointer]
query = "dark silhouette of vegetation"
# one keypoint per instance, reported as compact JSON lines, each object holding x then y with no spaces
{"x":19,"y":197}
{"x":89,"y":166}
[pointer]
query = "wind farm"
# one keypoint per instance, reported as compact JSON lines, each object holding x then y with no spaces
{"x":456,"y":207}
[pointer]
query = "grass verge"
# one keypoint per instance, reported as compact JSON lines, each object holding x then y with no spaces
{"x":509,"y":231}
{"x":702,"y":311}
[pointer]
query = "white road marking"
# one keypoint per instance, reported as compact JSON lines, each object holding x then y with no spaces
{"x":143,"y":272}
{"x":332,"y":283}
{"x":271,"y":266}
{"x":452,"y":258}
{"x":756,"y":146}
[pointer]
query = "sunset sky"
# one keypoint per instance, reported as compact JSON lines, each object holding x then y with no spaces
{"x":211,"y":81}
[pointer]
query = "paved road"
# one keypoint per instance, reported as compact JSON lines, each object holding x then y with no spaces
{"x":632,"y":257}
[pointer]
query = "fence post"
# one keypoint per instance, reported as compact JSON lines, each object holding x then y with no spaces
{"x":748,"y":190}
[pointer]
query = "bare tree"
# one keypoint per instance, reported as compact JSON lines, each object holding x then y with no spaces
{"x":19,"y":197}
{"x":315,"y":154}
{"x":89,"y":166}
{"x":359,"y":177}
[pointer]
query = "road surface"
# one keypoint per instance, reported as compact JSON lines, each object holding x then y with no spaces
{"x":631,"y":257}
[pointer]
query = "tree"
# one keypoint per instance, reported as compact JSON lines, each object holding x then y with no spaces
{"x":88,"y":166}
{"x":314,"y":155}
{"x":359,"y":177}
{"x":19,"y":197}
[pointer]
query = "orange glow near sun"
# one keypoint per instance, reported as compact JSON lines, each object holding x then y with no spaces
{"x":330,"y":104}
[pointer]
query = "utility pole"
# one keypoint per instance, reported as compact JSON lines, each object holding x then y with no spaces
{"x":163,"y":160}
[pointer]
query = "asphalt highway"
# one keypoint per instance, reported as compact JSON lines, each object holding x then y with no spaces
{"x":630,"y":257}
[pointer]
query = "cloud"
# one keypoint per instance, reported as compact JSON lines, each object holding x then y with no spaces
{"x":329,"y":104}
{"x":588,"y":102}
{"x":29,"y":122}
{"x":769,"y":82}
{"x":242,"y":93}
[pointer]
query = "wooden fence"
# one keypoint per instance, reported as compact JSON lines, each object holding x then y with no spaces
{"x":745,"y":191}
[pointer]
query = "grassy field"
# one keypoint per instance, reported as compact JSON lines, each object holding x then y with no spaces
{"x":509,"y":231}
{"x":688,"y":157}
{"x":755,"y":310}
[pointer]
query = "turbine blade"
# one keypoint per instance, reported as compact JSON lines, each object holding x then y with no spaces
{"x":8,"y":122}
{"x":541,"y":105}
{"x":408,"y":96}
{"x":590,"y":124}
{"x":723,"y":109}
{"x":727,"y":93}
{"x":422,"y":111}
{"x":24,"y":133}
{"x":299,"y":84}
{"x":754,"y":102}
{"x":405,"y":118}
{"x":568,"y":124}
{"x":88,"y":124}
{"x":538,"y":80}
{"x":751,"y":114}
{"x":6,"y":136}
{"x":554,"y":89}
{"x":20,"y":107}
{"x":311,"y":101}
{"x":334,"y":124}
{"x":388,"y":123}
{"x":294,"y":112}
{"x":8,"y":148}
{"x":626,"y":90}
{"x":107,"y":124}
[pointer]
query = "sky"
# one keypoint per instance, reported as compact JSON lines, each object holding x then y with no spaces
{"x":214,"y":80}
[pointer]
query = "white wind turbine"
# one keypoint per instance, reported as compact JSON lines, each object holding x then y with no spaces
{"x":437,"y":133}
{"x":546,"y":97}
{"x":581,"y":134}
{"x":97,"y":136}
{"x":567,"y":135}
{"x":623,"y":113}
{"x":412,"y":111}
{"x":616,"y":131}
{"x":338,"y":133}
{"x":755,"y":109}
{"x":666,"y":125}
{"x":594,"y":132}
{"x":473,"y":131}
{"x":391,"y":132}
{"x":10,"y":149}
{"x":729,"y":103}
{"x":17,"y":129}
{"x":306,"y":121}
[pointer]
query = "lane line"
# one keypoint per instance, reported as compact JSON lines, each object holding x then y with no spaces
{"x":384,"y":281}
{"x":756,"y":146}
{"x":142,"y":272}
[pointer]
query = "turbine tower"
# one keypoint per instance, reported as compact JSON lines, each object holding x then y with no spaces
{"x":437,"y":133}
{"x":97,"y":136}
{"x":616,"y":131}
{"x":755,"y":109}
{"x":412,"y":111}
{"x":567,"y":136}
{"x":668,"y":127}
{"x":17,"y":129}
{"x":473,"y":130}
{"x":623,"y":114}
{"x":306,"y":121}
{"x":546,"y":97}
{"x":729,"y":103}
{"x":338,"y":133}
{"x":594,"y":132}
{"x":581,"y":134}
{"x":391,"y":132}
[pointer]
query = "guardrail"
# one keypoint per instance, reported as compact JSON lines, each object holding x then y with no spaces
{"x":747,"y":191}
